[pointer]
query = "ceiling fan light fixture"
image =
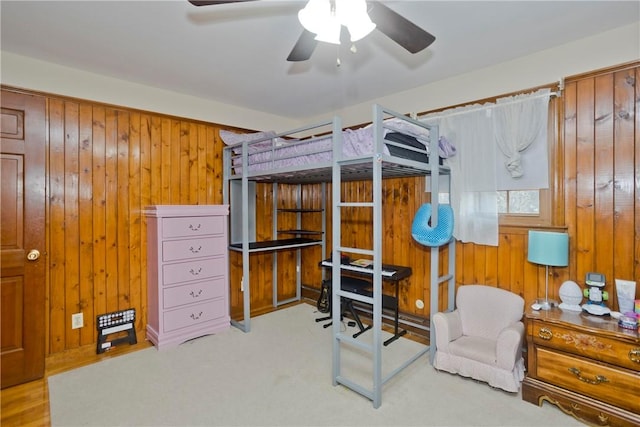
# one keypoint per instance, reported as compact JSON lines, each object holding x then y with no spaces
{"x":330,"y":33}
{"x":360,"y":29}
{"x":326,"y":17}
{"x":314,"y":15}
{"x":353,"y":15}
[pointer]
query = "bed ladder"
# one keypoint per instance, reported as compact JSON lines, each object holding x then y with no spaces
{"x":344,"y":341}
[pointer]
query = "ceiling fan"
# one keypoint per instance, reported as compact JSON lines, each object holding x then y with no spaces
{"x":396,"y":27}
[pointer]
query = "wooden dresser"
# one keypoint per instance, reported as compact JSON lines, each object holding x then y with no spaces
{"x":188,"y":272}
{"x":586,"y":365}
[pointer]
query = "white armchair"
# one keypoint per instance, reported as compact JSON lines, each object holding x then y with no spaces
{"x":482,"y":338}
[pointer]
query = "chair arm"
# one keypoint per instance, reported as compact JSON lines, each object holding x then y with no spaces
{"x":447,"y":328}
{"x":509,"y":345}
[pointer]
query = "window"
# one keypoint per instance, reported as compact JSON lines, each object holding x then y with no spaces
{"x":519,"y":202}
{"x":525,"y":208}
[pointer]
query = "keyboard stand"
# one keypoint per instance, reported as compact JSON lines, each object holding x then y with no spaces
{"x":390,"y":273}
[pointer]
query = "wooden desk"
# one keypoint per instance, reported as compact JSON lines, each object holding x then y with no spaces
{"x":586,"y":365}
{"x":390,"y":273}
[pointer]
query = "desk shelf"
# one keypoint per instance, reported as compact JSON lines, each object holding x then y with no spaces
{"x":273,"y":245}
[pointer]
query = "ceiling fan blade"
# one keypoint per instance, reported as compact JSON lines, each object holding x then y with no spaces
{"x":399,"y":29}
{"x":304,"y":47}
{"x":212,"y":2}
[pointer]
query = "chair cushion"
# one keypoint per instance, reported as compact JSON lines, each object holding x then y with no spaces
{"x":475,"y":348}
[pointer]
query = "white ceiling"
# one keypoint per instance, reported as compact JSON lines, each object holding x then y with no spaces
{"x":236,"y":53}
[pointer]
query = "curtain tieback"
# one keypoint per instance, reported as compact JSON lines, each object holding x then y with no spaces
{"x":514,"y":165}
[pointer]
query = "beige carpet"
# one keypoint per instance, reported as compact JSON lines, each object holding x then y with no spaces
{"x":279,"y":374}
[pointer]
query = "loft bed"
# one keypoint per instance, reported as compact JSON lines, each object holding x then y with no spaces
{"x":393,"y":145}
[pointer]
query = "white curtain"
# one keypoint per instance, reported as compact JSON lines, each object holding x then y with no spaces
{"x":521,"y":135}
{"x":473,"y":173}
{"x":484,"y":136}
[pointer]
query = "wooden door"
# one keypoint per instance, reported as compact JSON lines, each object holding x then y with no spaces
{"x":22,"y":263}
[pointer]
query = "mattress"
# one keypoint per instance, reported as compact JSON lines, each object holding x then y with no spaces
{"x":269,"y":153}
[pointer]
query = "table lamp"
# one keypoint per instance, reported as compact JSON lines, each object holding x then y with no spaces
{"x":551,"y":250}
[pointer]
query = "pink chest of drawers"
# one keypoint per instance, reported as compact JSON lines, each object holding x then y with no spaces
{"x":188,"y":272}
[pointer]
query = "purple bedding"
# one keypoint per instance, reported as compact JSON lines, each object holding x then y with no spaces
{"x":267,"y":153}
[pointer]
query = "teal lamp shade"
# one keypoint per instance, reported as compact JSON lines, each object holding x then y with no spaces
{"x":548,"y":248}
{"x":551,"y":250}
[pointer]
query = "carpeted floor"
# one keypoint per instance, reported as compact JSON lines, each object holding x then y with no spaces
{"x":279,"y":374}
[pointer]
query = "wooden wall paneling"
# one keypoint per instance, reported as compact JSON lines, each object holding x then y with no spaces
{"x":557,"y":160}
{"x":137,"y":294}
{"x":286,"y":260}
{"x":624,"y":153}
{"x":603,"y":173}
{"x":123,"y":224}
{"x":504,"y":270}
{"x":416,"y":284}
{"x":468,"y":273}
{"x":479,"y":264}
{"x":491,"y":266}
{"x":570,"y":143}
{"x":156,"y":150}
{"x":85,"y":220}
{"x":261,"y":272}
{"x":56,"y":227}
{"x":146,"y":188}
{"x":200,"y":162}
{"x":167,"y":154}
{"x":71,"y":229}
{"x":194,"y":182}
{"x":636,"y":188}
{"x":99,"y":217}
{"x":531,"y":289}
{"x":585,"y":181}
{"x":516,"y":262}
{"x":111,"y":212}
{"x":175,"y":162}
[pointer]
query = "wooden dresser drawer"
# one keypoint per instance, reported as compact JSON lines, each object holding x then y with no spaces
{"x":192,"y":226}
{"x":193,"y":270}
{"x":173,"y":250}
{"x":619,"y":387}
{"x":192,"y":315}
{"x":586,"y":344}
{"x":194,"y":292}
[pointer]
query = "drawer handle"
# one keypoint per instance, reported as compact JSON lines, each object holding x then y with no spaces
{"x":634,"y":355}
{"x":195,"y":250}
{"x":599,"y":379}
{"x":545,"y":334}
{"x":194,"y":227}
{"x":195,"y":272}
{"x":196,"y":295}
{"x":196,"y":316}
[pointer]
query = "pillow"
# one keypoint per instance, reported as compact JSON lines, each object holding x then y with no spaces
{"x":408,"y":128}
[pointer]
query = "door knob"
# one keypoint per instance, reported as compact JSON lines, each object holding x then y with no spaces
{"x":33,"y":255}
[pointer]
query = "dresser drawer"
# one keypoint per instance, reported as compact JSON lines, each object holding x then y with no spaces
{"x":585,"y":344}
{"x":619,"y":387}
{"x":174,"y":250}
{"x":192,"y":315}
{"x":194,"y":292}
{"x":192,"y":226}
{"x":193,"y":270}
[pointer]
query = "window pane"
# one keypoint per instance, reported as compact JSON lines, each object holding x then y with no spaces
{"x":524,"y":202}
{"x":502,"y":202}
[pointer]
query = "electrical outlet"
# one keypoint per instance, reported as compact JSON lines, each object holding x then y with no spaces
{"x":77,"y":321}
